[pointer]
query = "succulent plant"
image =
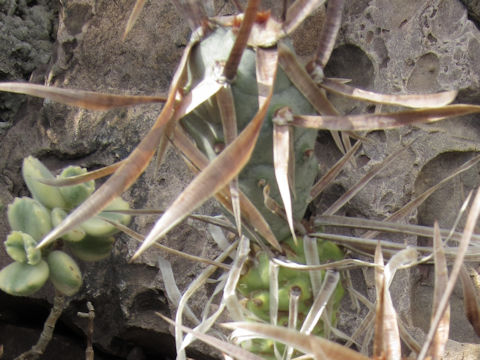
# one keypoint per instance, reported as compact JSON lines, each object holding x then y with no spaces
{"x":21,"y":247}
{"x":29,"y":216}
{"x":31,"y":219}
{"x":92,"y":248}
{"x":22,"y":279}
{"x":74,"y":235}
{"x":76,"y":194}
{"x":33,"y":172}
{"x":64,"y":272}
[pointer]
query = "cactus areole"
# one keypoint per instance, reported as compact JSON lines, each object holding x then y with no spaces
{"x":205,"y":127}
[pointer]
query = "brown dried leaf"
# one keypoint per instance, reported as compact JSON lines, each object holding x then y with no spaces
{"x":228,"y":116}
{"x":137,"y":9}
{"x":441,"y":278}
{"x":410,"y":100}
{"x":329,"y":32}
{"x":300,"y":78}
{"x":309,"y":344}
{"x":231,"y":65}
{"x":326,"y":291}
{"x":282,"y":145}
{"x":383,"y":121}
{"x":384,"y":225}
{"x":79,"y":179}
{"x":230,"y":349}
{"x":378,"y":342}
{"x":333,"y":172}
{"x":387,"y":343}
{"x":85,"y":99}
{"x":303,"y":82}
{"x":139,"y":237}
{"x":470,"y":302}
{"x":342,"y":200}
{"x":299,"y":11}
{"x":413,"y":204}
{"x":199,"y":94}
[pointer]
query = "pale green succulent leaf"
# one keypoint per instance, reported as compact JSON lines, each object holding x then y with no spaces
{"x":410,"y":100}
{"x":64,"y":273}
{"x":33,"y":172}
{"x":21,"y":279}
{"x":76,"y":194}
{"x":21,"y":247}
{"x":92,"y":248}
{"x":29,"y":216}
{"x":96,"y":226}
{"x":75,"y":234}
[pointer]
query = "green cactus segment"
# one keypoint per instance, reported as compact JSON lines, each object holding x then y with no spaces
{"x":205,"y":127}
{"x":259,"y":304}
{"x":255,"y":286}
{"x":256,"y":278}
{"x":64,"y":272}
{"x":76,"y":234}
{"x":92,"y":248}
{"x":76,"y":194}
{"x":32,"y":171}
{"x":21,"y":247}
{"x":97,"y":227}
{"x":29,"y":216}
{"x":21,"y":279}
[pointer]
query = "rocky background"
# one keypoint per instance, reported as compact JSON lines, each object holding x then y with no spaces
{"x":399,"y":46}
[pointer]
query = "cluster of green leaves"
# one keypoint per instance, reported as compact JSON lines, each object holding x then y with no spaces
{"x":32,"y":218}
{"x":255,"y":286}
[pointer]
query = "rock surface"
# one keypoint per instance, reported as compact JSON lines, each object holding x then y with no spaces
{"x":405,"y":46}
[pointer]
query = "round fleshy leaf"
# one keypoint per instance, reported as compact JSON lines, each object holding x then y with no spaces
{"x":117,"y":204}
{"x":259,"y":304}
{"x":21,"y":279}
{"x":256,"y":278}
{"x":92,"y":248}
{"x":76,"y":194}
{"x":329,"y":251}
{"x":21,"y":247}
{"x":97,"y":227}
{"x":74,"y":235}
{"x":29,"y":216}
{"x":32,"y":171}
{"x":64,"y":272}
